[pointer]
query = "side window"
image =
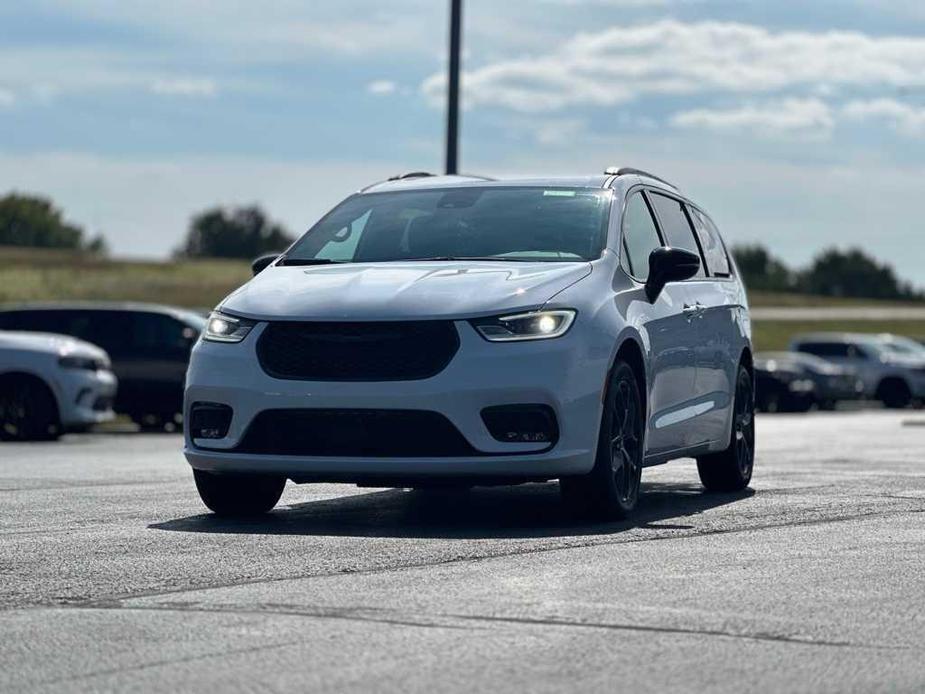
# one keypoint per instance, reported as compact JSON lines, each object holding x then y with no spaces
{"x":857,"y":352}
{"x":155,"y":334}
{"x":640,"y":237}
{"x":675,"y":227}
{"x":711,"y":243}
{"x":111,"y":330}
{"x":343,"y":244}
{"x":825,"y":349}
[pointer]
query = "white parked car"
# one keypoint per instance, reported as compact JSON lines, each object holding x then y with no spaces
{"x":50,"y":384}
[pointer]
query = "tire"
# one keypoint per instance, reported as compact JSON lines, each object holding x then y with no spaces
{"x":611,"y":490}
{"x":894,"y":393}
{"x":731,"y":469}
{"x":28,"y":410}
{"x":239,"y":495}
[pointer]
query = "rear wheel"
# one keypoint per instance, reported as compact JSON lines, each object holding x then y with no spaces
{"x":239,"y":495}
{"x":28,"y":410}
{"x":894,"y":393}
{"x":611,"y":489}
{"x":731,"y":469}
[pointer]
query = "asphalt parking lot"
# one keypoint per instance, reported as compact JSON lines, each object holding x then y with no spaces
{"x":114,"y":578}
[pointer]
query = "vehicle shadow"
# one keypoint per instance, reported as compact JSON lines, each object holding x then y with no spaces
{"x":526,"y":511}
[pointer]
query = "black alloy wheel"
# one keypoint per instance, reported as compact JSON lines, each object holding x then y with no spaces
{"x":731,"y":469}
{"x":611,"y":490}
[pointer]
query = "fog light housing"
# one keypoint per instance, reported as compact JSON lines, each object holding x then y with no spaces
{"x":522,"y":424}
{"x":209,"y":420}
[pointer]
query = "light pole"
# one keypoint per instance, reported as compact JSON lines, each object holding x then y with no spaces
{"x":452,"y":93}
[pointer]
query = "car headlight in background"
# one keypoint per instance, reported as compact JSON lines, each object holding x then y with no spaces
{"x":224,"y":328}
{"x":536,"y":325}
{"x":72,"y":361}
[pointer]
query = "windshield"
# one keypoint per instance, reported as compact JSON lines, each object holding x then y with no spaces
{"x":489,"y":223}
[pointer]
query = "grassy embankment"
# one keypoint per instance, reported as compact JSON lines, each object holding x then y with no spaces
{"x":43,"y":275}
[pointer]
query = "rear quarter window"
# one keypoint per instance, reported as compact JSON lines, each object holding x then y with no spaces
{"x":712,"y":244}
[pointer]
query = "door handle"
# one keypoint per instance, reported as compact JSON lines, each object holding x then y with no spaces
{"x":694,"y":310}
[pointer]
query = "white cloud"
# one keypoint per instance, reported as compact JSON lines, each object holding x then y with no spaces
{"x":786,"y":116}
{"x":676,"y":58}
{"x":143,"y":205}
{"x":381,"y":87}
{"x":904,"y":118}
{"x":185,"y":86}
{"x":7,"y":98}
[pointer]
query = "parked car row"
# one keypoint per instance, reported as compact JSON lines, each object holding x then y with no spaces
{"x":60,"y":363}
{"x":823,"y":369}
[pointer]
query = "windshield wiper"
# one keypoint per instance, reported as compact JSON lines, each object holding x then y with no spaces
{"x":309,"y":261}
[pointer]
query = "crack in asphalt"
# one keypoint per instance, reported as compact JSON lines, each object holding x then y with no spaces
{"x":432,"y":620}
{"x":165,"y":661}
{"x":466,"y":559}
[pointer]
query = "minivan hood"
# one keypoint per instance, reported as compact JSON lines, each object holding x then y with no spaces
{"x":396,"y":290}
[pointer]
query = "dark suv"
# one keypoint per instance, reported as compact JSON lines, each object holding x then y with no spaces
{"x":149,"y":346}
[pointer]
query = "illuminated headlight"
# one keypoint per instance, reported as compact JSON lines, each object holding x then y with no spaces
{"x":224,"y":328}
{"x":537,"y":325}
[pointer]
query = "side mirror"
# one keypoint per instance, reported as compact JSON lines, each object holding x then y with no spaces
{"x":669,"y":265}
{"x":261,"y":263}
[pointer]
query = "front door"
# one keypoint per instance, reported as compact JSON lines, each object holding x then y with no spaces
{"x":672,"y":332}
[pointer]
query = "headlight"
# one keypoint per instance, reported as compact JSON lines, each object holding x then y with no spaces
{"x":72,"y":361}
{"x":537,"y":325}
{"x":224,"y":328}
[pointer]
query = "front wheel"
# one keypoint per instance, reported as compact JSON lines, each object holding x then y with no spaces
{"x":731,"y":470}
{"x":28,"y":411}
{"x":239,"y":495}
{"x":894,"y":393}
{"x":611,"y":489}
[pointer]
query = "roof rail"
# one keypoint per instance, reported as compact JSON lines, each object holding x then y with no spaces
{"x":630,"y":171}
{"x":419,"y":174}
{"x":410,"y":174}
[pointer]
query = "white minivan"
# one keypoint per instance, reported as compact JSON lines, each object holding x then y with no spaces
{"x":460,"y":330}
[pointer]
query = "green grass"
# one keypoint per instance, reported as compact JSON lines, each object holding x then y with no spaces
{"x":775,"y":335}
{"x":48,"y":275}
{"x":758,"y":299}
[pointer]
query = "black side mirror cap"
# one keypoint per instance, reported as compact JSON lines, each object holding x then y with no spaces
{"x":669,"y":265}
{"x":261,"y":263}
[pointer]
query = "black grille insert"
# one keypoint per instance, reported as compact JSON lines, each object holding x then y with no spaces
{"x":367,"y":351}
{"x":354,"y":432}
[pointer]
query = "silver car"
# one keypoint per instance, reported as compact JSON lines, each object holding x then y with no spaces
{"x":894,"y":376}
{"x":460,"y":330}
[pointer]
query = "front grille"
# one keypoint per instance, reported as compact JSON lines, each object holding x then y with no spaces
{"x":368,"y":351}
{"x":354,"y":432}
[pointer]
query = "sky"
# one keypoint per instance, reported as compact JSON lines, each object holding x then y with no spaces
{"x":800,"y":125}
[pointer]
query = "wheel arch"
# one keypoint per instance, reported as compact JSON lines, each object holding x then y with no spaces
{"x":631,"y":352}
{"x":19,"y":374}
{"x":746,"y":360}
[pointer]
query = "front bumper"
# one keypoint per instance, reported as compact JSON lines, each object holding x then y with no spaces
{"x":565,"y":373}
{"x":85,"y":397}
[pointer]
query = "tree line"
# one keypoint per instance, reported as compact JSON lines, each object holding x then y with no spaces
{"x":833,"y":272}
{"x":247,"y":232}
